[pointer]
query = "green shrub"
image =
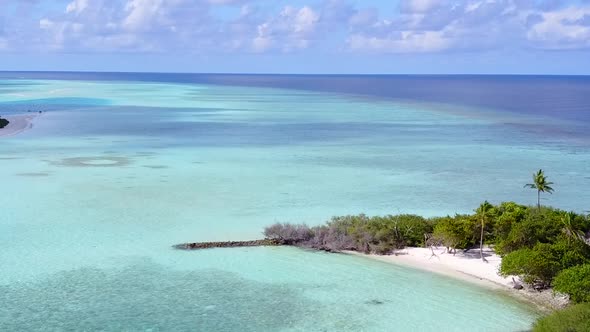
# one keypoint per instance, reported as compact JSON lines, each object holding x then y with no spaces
{"x":543,"y":226}
{"x":535,"y":266}
{"x":400,"y":230}
{"x":573,"y":319}
{"x":380,"y":235}
{"x":507,"y":215}
{"x":459,"y":232}
{"x":580,"y":222}
{"x":540,"y":264}
{"x":571,"y":252}
{"x":575,"y":282}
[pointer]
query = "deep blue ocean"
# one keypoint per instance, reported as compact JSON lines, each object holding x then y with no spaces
{"x":563,"y":97}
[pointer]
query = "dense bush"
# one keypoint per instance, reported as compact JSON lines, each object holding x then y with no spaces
{"x":574,"y":281}
{"x":288,"y":233}
{"x":414,"y":228}
{"x":331,"y":239}
{"x":3,"y":123}
{"x":540,"y":264}
{"x":505,"y":216}
{"x":380,"y":235}
{"x":534,"y":227}
{"x":535,"y":266}
{"x":573,"y":319}
{"x":459,"y":232}
{"x":571,"y":252}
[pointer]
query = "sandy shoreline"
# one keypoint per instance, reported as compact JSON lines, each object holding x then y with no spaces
{"x":470,"y":268}
{"x":18,"y":124}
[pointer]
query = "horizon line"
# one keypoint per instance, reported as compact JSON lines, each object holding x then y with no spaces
{"x":286,"y":74}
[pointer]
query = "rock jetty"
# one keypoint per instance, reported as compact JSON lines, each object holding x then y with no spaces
{"x":226,"y":244}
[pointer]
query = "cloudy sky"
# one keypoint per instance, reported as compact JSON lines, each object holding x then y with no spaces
{"x":297,"y":36}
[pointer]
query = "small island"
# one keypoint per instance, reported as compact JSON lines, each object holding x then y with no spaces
{"x":15,"y":124}
{"x":3,"y":122}
{"x":541,"y":253}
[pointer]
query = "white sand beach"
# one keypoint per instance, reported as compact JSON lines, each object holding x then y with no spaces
{"x":469,"y":267}
{"x":18,"y":124}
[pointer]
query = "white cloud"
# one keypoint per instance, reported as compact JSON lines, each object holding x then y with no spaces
{"x":562,"y":29}
{"x":435,"y":26}
{"x":225,"y":2}
{"x":404,"y":42}
{"x":292,"y":29}
{"x":363,"y":17}
{"x":304,"y":20}
{"x":45,"y":24}
{"x":77,"y":6}
{"x":331,"y":25}
{"x":141,"y":13}
{"x":420,"y":6}
{"x":129,"y":25}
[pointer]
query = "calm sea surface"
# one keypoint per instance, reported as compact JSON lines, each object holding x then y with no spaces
{"x":119,"y":167}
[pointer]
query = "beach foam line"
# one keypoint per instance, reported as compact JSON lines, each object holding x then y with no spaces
{"x":470,"y":268}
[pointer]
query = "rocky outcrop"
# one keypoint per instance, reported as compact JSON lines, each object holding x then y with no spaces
{"x":226,"y":244}
{"x":3,"y":123}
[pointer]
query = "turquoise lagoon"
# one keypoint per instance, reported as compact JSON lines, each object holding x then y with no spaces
{"x":115,"y":172}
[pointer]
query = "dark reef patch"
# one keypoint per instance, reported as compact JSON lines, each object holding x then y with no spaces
{"x":33,"y":174}
{"x":156,"y":166}
{"x":94,"y":162}
{"x":148,"y":297}
{"x":145,"y":154}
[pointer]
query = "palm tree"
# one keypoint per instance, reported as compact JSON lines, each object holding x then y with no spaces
{"x":482,"y":210}
{"x":541,"y":184}
{"x":569,"y":230}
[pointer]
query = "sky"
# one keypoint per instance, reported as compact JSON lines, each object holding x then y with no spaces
{"x":297,"y":36}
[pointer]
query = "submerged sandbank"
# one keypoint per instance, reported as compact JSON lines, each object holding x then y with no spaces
{"x":17,"y":124}
{"x":470,"y":268}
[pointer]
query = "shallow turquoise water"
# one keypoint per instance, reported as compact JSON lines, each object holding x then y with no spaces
{"x":113,"y":174}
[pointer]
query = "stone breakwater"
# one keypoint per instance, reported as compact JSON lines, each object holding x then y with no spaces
{"x":226,"y":244}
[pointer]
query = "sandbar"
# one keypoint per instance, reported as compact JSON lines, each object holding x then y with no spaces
{"x":17,"y":124}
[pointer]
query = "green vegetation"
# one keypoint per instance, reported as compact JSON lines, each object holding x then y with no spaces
{"x":573,"y":319}
{"x":544,"y":246}
{"x":537,"y":244}
{"x":574,"y":281}
{"x":540,"y":264}
{"x":380,"y":235}
{"x":458,"y":232}
{"x":3,"y":123}
{"x":541,"y":184}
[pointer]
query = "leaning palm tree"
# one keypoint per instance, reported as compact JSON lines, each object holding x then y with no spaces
{"x":481,"y":211}
{"x":541,"y":184}
{"x":569,"y":230}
